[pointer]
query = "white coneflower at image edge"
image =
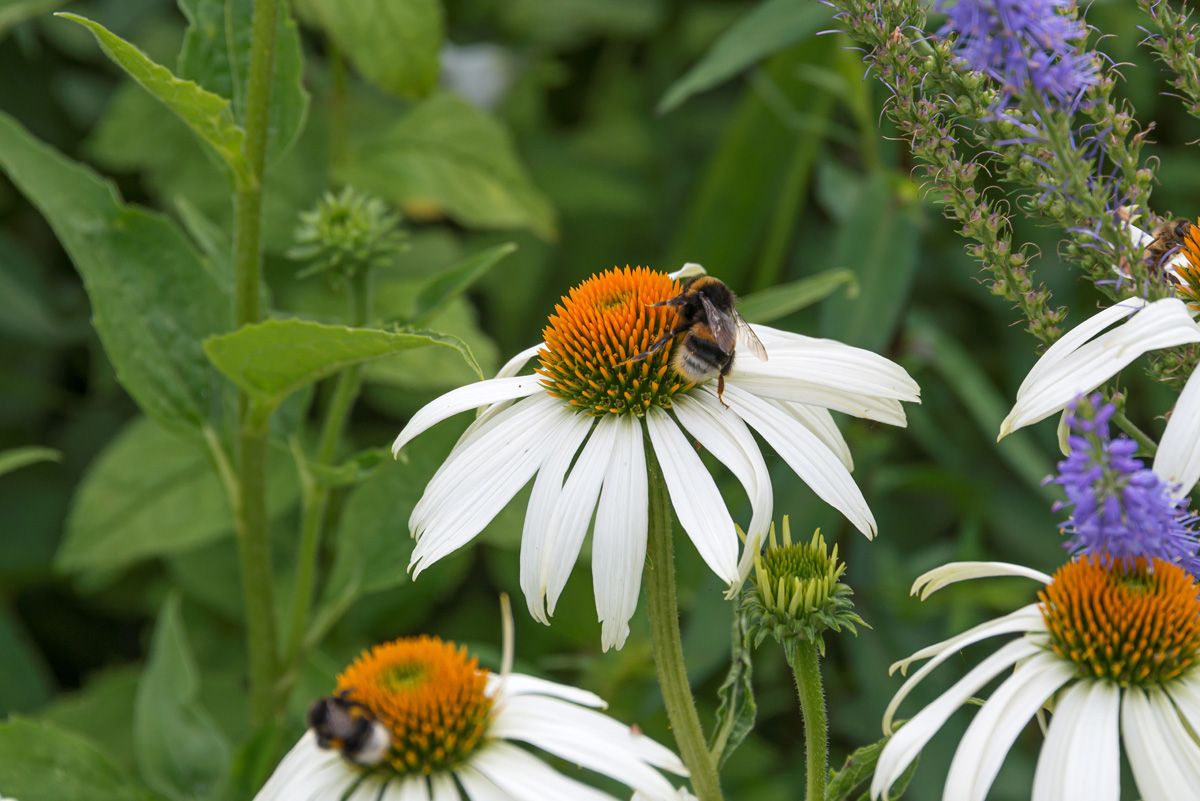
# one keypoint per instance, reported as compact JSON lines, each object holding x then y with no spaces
{"x":579,"y":426}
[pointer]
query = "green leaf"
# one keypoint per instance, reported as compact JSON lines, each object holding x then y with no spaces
{"x":216,"y":54}
{"x":17,"y":458}
{"x":354,"y":470}
{"x":102,"y":710}
{"x":151,"y":493}
{"x":153,"y":300}
{"x":880,"y":242}
{"x":738,"y":709}
{"x":179,"y":750}
{"x":780,"y":301}
{"x":394,"y":44}
{"x":25,"y":679}
{"x":769,"y":28}
{"x":41,"y":763}
{"x":25,"y":309}
{"x":13,"y":12}
{"x":857,"y":770}
{"x":446,"y":157}
{"x":272,"y":359}
{"x":436,"y":294}
{"x":207,"y":114}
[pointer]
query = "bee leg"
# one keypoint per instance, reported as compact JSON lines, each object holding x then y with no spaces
{"x":725,"y":368}
{"x":659,"y":343}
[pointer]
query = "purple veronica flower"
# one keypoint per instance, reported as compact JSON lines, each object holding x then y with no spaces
{"x":1024,"y":44}
{"x":1120,"y":509}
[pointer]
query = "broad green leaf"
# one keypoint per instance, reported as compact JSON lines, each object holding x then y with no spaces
{"x":152,"y":493}
{"x":272,"y":359}
{"x":857,"y":768}
{"x":445,"y":287}
{"x":770,"y":27}
{"x":102,"y":711}
{"x":780,"y":301}
{"x":207,"y":114}
{"x":17,"y":458}
{"x":153,"y":300}
{"x":25,"y":679}
{"x":25,"y":310}
{"x":565,"y":23}
{"x":13,"y":12}
{"x":41,"y":763}
{"x":179,"y":750}
{"x":448,"y":158}
{"x":738,"y":710}
{"x":880,"y":243}
{"x":216,"y":54}
{"x":394,"y":44}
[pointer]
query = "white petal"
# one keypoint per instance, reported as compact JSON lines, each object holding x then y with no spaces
{"x":1186,"y":694}
{"x":869,"y":407}
{"x":1081,"y":758}
{"x":816,"y":465}
{"x":508,"y":455}
{"x":619,"y":536}
{"x":991,"y":734}
{"x":308,"y":773}
{"x":443,"y":788}
{"x":526,"y":778}
{"x":517,"y":363}
{"x":1164,"y":758}
{"x":477,"y":787}
{"x":1077,"y":337}
{"x":698,"y":504}
{"x":573,"y":510}
{"x":929,"y":583}
{"x":540,"y":512}
{"x":1023,"y":620}
{"x":689,"y":270}
{"x":582,"y":737}
{"x":1178,"y":458}
{"x":1162,"y":324}
{"x":515,"y":684}
{"x":726,"y":437}
{"x":472,"y":396}
{"x":907,"y":742}
{"x":412,"y":788}
{"x":819,"y":421}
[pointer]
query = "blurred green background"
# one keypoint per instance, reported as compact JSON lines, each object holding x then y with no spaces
{"x":613,"y":132}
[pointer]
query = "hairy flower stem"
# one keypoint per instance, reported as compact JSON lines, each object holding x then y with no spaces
{"x":316,"y":495}
{"x":663,"y":608}
{"x":250,"y":504}
{"x":806,"y":665}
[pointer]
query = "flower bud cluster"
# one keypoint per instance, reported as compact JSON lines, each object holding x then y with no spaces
{"x":347,"y":232}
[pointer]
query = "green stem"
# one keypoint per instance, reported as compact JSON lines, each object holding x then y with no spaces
{"x":1147,"y":444}
{"x":806,"y":664}
{"x":663,"y":608}
{"x":316,"y":500}
{"x":250,"y":504}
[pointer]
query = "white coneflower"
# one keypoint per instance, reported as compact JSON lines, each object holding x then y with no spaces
{"x":435,"y":727}
{"x":1112,"y":647}
{"x":581,"y":424}
{"x":1106,"y":343}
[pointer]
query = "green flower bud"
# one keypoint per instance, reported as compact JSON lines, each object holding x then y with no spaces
{"x":347,"y":232}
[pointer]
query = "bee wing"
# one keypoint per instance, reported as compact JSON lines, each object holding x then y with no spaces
{"x":749,"y":339}
{"x":722,"y":325}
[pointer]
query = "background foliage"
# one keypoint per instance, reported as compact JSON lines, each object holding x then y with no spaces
{"x":598,"y":132}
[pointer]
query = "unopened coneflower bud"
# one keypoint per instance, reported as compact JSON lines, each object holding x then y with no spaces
{"x":345,"y":233}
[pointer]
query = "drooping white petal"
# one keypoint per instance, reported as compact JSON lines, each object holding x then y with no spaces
{"x":517,"y":684}
{"x":582,"y":737}
{"x":819,"y":421}
{"x":308,"y":773}
{"x":539,"y":514}
{"x":1077,"y":337}
{"x":1177,"y":461}
{"x":996,"y":726}
{"x":511,"y":368}
{"x":442,"y":788}
{"x":816,"y":465}
{"x":477,"y":787}
{"x":868,"y":407}
{"x":726,"y":437}
{"x":1164,"y":758}
{"x":619,"y":536}
{"x":1185,"y":692}
{"x":411,"y":788}
{"x":930,"y":582}
{"x":1081,"y":758}
{"x":472,"y":396}
{"x":1161,"y":324}
{"x":907,"y":742}
{"x":698,"y":504}
{"x":573,"y":510}
{"x":508,"y":456}
{"x":524,"y":777}
{"x":1023,"y":620}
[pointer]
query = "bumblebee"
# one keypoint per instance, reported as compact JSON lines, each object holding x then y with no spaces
{"x":348,"y":727}
{"x":1168,"y":235}
{"x":710,"y":328}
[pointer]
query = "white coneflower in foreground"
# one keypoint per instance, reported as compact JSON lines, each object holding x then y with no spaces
{"x":582,"y":422}
{"x":1106,"y":343}
{"x":1112,"y":647}
{"x":416,"y":719}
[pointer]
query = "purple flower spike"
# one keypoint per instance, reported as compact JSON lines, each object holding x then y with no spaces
{"x":1024,"y":44}
{"x":1120,"y":509}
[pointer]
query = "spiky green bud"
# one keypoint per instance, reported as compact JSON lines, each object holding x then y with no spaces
{"x":347,"y":232}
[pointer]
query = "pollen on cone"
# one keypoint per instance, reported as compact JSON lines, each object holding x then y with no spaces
{"x":1188,"y":286}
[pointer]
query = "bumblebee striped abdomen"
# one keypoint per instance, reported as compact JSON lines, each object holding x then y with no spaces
{"x":697,"y":357}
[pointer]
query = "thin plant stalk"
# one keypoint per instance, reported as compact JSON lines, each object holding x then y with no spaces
{"x":663,"y":607}
{"x":806,"y":665}
{"x":250,"y":503}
